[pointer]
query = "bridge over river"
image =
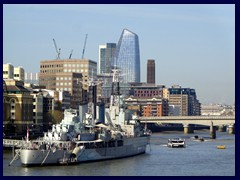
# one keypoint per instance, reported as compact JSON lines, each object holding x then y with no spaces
{"x":188,"y":122}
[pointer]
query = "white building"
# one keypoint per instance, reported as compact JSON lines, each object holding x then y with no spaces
{"x":8,"y":71}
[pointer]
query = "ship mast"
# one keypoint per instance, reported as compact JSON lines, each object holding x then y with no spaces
{"x":92,"y":100}
{"x":115,"y":94}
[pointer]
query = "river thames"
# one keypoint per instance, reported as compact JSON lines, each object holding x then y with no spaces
{"x":197,"y":159}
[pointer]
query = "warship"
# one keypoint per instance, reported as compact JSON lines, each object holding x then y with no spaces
{"x":80,"y":138}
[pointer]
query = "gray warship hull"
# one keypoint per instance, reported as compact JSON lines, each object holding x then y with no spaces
{"x":130,"y":147}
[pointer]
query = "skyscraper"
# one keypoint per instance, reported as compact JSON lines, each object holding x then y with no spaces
{"x":151,"y":71}
{"x":128,"y":56}
{"x":106,"y":57}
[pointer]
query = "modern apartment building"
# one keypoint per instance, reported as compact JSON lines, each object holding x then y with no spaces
{"x":11,"y":72}
{"x":19,"y":74}
{"x":8,"y":71}
{"x":128,"y":56}
{"x":151,"y":71}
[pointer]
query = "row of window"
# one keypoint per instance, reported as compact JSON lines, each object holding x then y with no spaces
{"x":65,"y":84}
{"x":51,"y":70}
{"x":75,"y":65}
{"x":64,"y":89}
{"x":146,"y":91}
{"x":63,"y":78}
{"x":51,"y":66}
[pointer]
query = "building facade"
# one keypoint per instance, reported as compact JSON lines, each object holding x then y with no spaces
{"x":8,"y":71}
{"x":70,"y":75}
{"x":19,"y":74}
{"x":106,"y":58}
{"x":148,"y":106}
{"x":17,"y":106}
{"x":31,"y":78}
{"x":151,"y":71}
{"x":183,"y":100}
{"x":128,"y":56}
{"x":11,"y":72}
{"x":143,"y":90}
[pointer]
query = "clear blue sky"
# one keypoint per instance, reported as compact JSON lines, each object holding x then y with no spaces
{"x":193,"y":45}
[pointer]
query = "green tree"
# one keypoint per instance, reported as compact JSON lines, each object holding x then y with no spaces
{"x":56,"y":116}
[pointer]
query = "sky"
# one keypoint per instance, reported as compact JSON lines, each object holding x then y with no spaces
{"x":193,"y":44}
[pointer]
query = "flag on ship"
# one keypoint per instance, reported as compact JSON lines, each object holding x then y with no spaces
{"x":27,"y":134}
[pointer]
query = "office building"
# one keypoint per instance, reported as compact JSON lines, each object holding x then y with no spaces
{"x":106,"y":58}
{"x":128,"y":56}
{"x":184,"y":101}
{"x":68,"y":75}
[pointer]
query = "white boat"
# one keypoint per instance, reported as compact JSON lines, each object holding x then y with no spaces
{"x":77,"y":140}
{"x":176,"y":142}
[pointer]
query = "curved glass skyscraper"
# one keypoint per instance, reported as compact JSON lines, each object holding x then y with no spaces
{"x":128,"y":56}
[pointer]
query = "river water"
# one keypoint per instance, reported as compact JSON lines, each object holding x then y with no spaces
{"x":197,"y":159}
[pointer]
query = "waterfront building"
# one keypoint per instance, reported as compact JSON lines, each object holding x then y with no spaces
{"x":106,"y":58}
{"x":184,"y":99}
{"x":217,"y":110}
{"x":156,"y":106}
{"x":17,"y":107}
{"x":128,"y":56}
{"x":144,"y":90}
{"x":151,"y":71}
{"x":37,"y":126}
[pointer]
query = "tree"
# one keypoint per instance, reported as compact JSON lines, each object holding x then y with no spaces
{"x":56,"y":116}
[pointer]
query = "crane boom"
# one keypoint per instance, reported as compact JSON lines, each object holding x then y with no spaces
{"x":84,"y":46}
{"x":70,"y":54}
{"x":57,"y":50}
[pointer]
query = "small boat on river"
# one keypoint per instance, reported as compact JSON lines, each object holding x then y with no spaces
{"x":176,"y":142}
{"x":221,"y":147}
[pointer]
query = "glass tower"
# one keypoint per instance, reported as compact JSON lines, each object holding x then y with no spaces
{"x":106,"y":57}
{"x":128,"y":56}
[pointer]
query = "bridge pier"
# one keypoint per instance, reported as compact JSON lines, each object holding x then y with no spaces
{"x":222,"y":128}
{"x":231,"y":129}
{"x":188,"y":128}
{"x":212,"y":131}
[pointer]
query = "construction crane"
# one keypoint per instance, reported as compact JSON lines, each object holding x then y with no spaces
{"x":70,"y":54}
{"x":57,"y":50}
{"x":84,"y":46}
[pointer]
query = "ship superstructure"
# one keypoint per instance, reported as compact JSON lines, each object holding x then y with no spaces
{"x":78,"y":139}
